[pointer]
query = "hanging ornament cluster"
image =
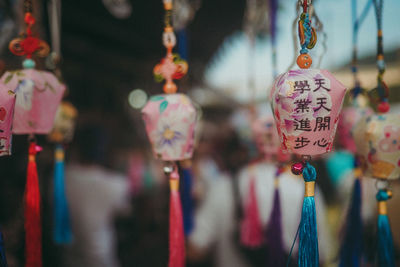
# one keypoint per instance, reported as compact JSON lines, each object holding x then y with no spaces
{"x":380,"y":152}
{"x":38,"y":94}
{"x":62,"y":134}
{"x":306,"y":104}
{"x":170,"y":121}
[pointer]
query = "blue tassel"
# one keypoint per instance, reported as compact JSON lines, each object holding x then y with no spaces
{"x":351,"y":249}
{"x":385,"y":241}
{"x":62,"y":227}
{"x":3,"y":259}
{"x":182,"y":44}
{"x":308,"y":244}
{"x":187,"y":200}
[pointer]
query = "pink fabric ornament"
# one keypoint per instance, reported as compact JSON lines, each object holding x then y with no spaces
{"x":38,"y":96}
{"x":306,"y":104}
{"x":377,"y":138}
{"x":267,"y":139}
{"x":7,"y":103}
{"x":170,"y":121}
{"x":348,"y":119}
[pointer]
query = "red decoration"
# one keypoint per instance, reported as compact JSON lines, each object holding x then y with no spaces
{"x":33,"y":228}
{"x":383,"y":107}
{"x":176,"y":235}
{"x":29,"y":45}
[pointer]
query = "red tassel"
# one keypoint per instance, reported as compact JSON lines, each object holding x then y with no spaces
{"x":33,"y":228}
{"x":251,"y":233}
{"x":176,"y":235}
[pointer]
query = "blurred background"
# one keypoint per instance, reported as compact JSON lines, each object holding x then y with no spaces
{"x":108,"y":49}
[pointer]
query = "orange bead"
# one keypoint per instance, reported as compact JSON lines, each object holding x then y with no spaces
{"x":304,"y":61}
{"x":170,"y":88}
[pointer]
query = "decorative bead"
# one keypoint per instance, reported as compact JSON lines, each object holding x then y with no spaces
{"x":29,"y":19}
{"x":28,"y":64}
{"x":170,"y":88}
{"x":304,"y":61}
{"x":297,"y":168}
{"x":383,"y":107}
{"x":381,"y":64}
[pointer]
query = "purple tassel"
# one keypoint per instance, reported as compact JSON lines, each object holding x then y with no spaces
{"x":276,"y":253}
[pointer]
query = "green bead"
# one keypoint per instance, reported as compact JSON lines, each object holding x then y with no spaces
{"x":28,"y":63}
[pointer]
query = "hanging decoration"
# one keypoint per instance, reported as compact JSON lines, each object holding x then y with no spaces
{"x":351,"y":251}
{"x":170,"y":121}
{"x":306,"y":104}
{"x":7,"y":103}
{"x":379,"y":151}
{"x":38,"y":94}
{"x":61,"y":134}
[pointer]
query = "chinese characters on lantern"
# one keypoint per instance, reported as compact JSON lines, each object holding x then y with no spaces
{"x":306,"y":105}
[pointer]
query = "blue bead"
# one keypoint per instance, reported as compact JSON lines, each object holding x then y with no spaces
{"x":381,"y":64}
{"x":28,"y":64}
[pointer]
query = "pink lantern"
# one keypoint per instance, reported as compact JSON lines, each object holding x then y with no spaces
{"x":377,"y":138}
{"x":267,"y":139}
{"x":306,"y":104}
{"x":348,"y":119}
{"x":7,"y":102}
{"x":170,"y":121}
{"x":38,"y":96}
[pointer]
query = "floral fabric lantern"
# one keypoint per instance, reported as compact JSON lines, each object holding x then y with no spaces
{"x":378,"y":142}
{"x":306,"y":105}
{"x":170,"y":124}
{"x":38,"y":96}
{"x":7,"y":103}
{"x":349,"y":117}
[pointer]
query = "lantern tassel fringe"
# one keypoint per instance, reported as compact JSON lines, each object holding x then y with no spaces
{"x":187,"y":200}
{"x":251,"y":233}
{"x":33,"y":229}
{"x":62,"y":226}
{"x":176,"y":232}
{"x":276,"y":253}
{"x":308,"y":244}
{"x":385,"y":240}
{"x":351,"y":249}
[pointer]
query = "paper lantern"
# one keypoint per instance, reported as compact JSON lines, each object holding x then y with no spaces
{"x":348,"y":119}
{"x":38,"y":96}
{"x":377,"y":139}
{"x":306,"y":104}
{"x":64,"y":123}
{"x":170,"y":123}
{"x":7,"y":102}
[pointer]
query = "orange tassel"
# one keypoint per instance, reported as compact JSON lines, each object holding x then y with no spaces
{"x":176,"y":235}
{"x":33,"y":228}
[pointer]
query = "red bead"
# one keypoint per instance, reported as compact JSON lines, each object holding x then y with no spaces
{"x":383,"y":107}
{"x":29,"y":19}
{"x":297,"y":168}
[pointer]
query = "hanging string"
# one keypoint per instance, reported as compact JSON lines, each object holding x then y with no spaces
{"x":28,"y":6}
{"x":382,"y":89}
{"x":273,"y":9}
{"x":357,"y":21}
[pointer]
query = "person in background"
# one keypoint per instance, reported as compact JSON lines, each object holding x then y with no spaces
{"x":95,"y":195}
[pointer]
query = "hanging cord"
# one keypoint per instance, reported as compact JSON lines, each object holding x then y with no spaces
{"x":54,"y":13}
{"x":307,"y":34}
{"x":382,"y":89}
{"x":320,"y":29}
{"x":273,"y":9}
{"x":357,"y":21}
